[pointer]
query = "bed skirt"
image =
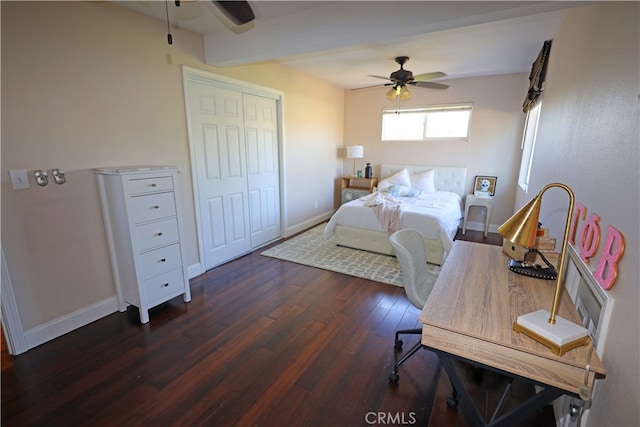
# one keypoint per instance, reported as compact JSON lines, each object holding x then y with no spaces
{"x":378,"y":241}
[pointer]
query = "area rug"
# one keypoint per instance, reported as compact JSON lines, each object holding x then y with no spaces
{"x":310,"y":248}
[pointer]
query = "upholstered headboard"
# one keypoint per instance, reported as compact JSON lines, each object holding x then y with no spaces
{"x":447,"y":178}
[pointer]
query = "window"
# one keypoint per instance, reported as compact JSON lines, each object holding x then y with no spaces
{"x":439,"y":123}
{"x":528,"y":145}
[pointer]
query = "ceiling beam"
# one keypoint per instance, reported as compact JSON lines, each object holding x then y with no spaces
{"x":336,"y":25}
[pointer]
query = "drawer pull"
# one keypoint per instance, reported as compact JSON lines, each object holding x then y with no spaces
{"x":156,"y":207}
{"x":159,"y":234}
{"x":153,"y":184}
{"x":163,"y":260}
{"x":165,"y":285}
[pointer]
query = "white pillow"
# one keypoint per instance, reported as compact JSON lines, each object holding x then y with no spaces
{"x":424,"y":181}
{"x":398,"y":178}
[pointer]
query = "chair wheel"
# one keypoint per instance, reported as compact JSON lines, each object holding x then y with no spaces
{"x":394,"y":377}
{"x":397,"y":345}
{"x":452,"y":402}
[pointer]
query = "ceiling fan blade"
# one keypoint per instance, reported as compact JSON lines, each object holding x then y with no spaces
{"x":240,"y":12}
{"x":430,"y":85}
{"x":379,"y":77}
{"x":428,"y":76}
{"x":369,"y":87}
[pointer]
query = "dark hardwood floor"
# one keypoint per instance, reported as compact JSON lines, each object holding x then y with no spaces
{"x":263,"y":342}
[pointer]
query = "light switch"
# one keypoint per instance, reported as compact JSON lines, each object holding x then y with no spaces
{"x":19,"y":179}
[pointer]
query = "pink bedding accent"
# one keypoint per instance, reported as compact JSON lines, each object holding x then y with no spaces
{"x":387,"y":209}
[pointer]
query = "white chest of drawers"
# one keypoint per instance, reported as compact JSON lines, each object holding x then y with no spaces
{"x":143,"y":220}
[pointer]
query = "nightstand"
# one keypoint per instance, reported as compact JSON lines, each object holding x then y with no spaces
{"x":482,"y":201}
{"x":354,"y":187}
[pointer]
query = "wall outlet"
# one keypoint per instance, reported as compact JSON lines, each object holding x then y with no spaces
{"x":19,"y":179}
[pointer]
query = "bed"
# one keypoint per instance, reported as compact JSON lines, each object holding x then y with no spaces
{"x":436,"y":214}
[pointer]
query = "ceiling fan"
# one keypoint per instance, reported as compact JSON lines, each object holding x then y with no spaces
{"x":401,"y":78}
{"x":239,"y":12}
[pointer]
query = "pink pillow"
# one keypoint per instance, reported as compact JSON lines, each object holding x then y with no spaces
{"x":424,"y":181}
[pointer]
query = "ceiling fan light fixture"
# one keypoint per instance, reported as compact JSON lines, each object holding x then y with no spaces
{"x":392,"y":93}
{"x":404,"y":93}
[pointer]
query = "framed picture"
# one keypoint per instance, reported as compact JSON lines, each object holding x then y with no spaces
{"x":485,"y":185}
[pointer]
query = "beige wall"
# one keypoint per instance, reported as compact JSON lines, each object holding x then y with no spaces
{"x":588,"y":138}
{"x":91,"y":84}
{"x":495,"y":135}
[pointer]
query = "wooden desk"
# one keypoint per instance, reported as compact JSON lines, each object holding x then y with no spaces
{"x":470,"y":314}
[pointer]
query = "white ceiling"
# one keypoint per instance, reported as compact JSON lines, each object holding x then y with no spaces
{"x":344,"y":42}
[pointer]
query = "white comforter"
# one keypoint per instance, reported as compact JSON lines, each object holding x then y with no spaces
{"x":436,"y":215}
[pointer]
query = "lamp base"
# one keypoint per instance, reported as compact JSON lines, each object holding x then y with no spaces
{"x":559,"y":337}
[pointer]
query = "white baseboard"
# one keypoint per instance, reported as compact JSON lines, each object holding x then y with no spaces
{"x":67,"y":323}
{"x":308,"y":223}
{"x":194,"y":270}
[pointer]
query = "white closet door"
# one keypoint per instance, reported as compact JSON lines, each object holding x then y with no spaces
{"x":261,"y":136}
{"x":217,"y":133}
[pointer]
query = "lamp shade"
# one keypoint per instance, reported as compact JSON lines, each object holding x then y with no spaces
{"x":355,"y":152}
{"x":522,"y":227}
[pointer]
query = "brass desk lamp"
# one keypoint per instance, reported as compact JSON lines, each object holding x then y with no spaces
{"x":559,"y":334}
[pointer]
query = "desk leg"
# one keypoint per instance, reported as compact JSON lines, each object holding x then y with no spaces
{"x":537,"y":401}
{"x":469,"y":409}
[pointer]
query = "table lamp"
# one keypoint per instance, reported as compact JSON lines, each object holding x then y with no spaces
{"x":355,"y":152}
{"x":559,"y":334}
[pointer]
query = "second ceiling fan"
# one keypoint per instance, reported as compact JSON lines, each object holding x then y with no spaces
{"x":401,"y":78}
{"x":239,"y":12}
